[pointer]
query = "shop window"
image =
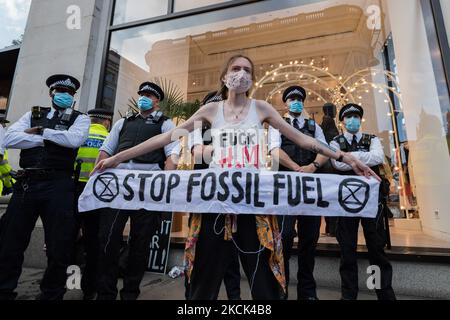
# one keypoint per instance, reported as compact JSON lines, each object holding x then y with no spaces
{"x":183,"y":5}
{"x":133,"y":10}
{"x":335,"y":51}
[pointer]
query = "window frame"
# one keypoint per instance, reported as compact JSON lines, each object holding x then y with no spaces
{"x":169,"y":16}
{"x":442,"y":38}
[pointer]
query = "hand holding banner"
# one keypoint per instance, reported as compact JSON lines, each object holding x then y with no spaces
{"x":233,"y":191}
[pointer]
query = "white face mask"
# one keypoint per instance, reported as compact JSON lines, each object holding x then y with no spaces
{"x":239,"y":82}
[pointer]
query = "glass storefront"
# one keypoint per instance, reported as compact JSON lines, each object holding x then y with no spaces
{"x":183,"y":5}
{"x":340,"y":51}
{"x":133,"y":10}
{"x":8,"y":61}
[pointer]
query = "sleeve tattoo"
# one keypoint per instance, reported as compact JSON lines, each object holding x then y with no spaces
{"x":317,"y":149}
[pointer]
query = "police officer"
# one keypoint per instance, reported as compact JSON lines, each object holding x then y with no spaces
{"x":369,"y":150}
{"x":125,"y":134}
{"x":291,"y":157}
{"x":6,"y":181}
{"x":49,"y":139}
{"x":330,"y":131}
{"x":101,"y":121}
{"x":200,"y":144}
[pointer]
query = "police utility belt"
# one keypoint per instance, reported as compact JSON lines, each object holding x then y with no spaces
{"x":40,"y":174}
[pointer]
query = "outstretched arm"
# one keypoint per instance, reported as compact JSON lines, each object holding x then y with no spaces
{"x":270,"y":115}
{"x":159,"y":141}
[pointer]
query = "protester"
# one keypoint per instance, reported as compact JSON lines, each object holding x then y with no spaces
{"x":200,"y":145}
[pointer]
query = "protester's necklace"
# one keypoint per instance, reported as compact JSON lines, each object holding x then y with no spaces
{"x":242,"y":109}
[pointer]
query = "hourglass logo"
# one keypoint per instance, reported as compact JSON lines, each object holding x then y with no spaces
{"x":353,"y":195}
{"x":106,"y":187}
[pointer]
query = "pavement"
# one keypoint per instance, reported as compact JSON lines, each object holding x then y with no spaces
{"x":162,"y":287}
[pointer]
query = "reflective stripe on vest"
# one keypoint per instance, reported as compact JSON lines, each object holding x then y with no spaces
{"x":5,"y":173}
{"x":89,"y":151}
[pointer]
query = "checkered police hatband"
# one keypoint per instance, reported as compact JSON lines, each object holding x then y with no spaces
{"x":350,"y":110}
{"x":101,"y":116}
{"x":148,"y":88}
{"x":65,"y":83}
{"x":217,"y":98}
{"x":295,"y":92}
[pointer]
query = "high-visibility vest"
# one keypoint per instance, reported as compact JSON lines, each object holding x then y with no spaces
{"x":89,"y":151}
{"x":6,"y":181}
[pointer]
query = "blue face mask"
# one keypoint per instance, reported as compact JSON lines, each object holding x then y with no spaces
{"x":144,"y":103}
{"x":352,"y":124}
{"x":63,"y":100}
{"x":296,"y":106}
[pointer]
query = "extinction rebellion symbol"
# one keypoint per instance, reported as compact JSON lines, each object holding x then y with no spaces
{"x":106,"y":187}
{"x":353,"y":195}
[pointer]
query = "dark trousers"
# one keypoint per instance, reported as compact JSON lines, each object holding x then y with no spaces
{"x":308,"y":234}
{"x":90,"y":226}
{"x":52,"y":200}
{"x":112,"y":223}
{"x":231,"y":279}
{"x":214,"y":255}
{"x":87,"y":245}
{"x":375,"y":235}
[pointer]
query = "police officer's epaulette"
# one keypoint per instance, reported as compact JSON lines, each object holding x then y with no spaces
{"x":366,"y":139}
{"x":39,"y":108}
{"x":38,"y":112}
{"x":79,"y":113}
{"x":159,"y":116}
{"x":130,"y":114}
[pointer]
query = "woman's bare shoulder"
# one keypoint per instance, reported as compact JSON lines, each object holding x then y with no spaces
{"x":212,"y":106}
{"x":209,"y":111}
{"x":265,"y":109}
{"x":263,"y":105}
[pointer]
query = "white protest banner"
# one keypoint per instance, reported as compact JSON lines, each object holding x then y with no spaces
{"x":233,"y":191}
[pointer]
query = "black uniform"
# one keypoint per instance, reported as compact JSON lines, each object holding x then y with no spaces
{"x":45,"y":189}
{"x":308,"y":226}
{"x":144,"y":224}
{"x":374,"y":233}
{"x":330,"y":131}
